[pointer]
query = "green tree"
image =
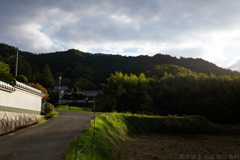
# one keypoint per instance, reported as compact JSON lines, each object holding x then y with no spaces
{"x":21,"y":78}
{"x":5,"y":74}
{"x":47,"y":78}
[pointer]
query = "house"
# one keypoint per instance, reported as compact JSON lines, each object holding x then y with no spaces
{"x":89,"y":95}
{"x":88,"y":98}
{"x":63,"y":89}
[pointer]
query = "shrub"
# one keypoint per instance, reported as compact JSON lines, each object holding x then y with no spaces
{"x":53,"y":97}
{"x":77,"y":95}
{"x":21,"y":78}
{"x":49,"y":108}
{"x":38,"y":86}
{"x":66,"y":96}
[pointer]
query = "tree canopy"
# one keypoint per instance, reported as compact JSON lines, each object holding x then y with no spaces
{"x":46,"y":78}
{"x":5,"y":74}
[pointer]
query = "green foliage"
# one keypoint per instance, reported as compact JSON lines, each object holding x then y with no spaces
{"x":123,"y":92}
{"x":5,"y":74}
{"x":21,"y":78}
{"x":53,"y":97}
{"x":75,"y":89}
{"x":49,"y":108}
{"x":161,"y":70}
{"x":46,"y":78}
{"x":84,"y":84}
{"x":214,"y":97}
{"x":75,"y":95}
{"x":74,"y":64}
{"x":52,"y":113}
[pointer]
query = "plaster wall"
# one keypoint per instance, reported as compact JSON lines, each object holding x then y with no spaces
{"x":21,"y":100}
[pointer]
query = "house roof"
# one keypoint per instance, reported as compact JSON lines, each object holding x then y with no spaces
{"x":91,"y":92}
{"x":62,"y":87}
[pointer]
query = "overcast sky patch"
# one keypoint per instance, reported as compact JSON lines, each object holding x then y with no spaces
{"x":199,"y":29}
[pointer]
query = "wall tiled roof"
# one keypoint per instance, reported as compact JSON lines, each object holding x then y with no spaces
{"x":27,"y":88}
{"x":6,"y":87}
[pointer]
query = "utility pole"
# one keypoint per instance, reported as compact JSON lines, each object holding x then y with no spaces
{"x":59,"y":89}
{"x":16,"y":69}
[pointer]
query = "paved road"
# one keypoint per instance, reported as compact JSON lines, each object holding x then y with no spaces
{"x":45,"y":141}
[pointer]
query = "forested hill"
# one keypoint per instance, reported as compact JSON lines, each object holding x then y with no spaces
{"x":75,"y":64}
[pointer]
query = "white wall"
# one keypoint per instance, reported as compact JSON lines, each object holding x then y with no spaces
{"x":20,"y":99}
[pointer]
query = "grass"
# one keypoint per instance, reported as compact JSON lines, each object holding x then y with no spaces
{"x":113,"y":128}
{"x":52,"y":113}
{"x":42,"y":121}
{"x":76,"y":109}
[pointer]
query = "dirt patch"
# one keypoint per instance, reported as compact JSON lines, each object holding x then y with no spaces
{"x":167,"y":147}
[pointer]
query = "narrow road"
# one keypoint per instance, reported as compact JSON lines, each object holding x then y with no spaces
{"x":45,"y":141}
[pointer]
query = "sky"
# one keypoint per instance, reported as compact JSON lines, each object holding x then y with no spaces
{"x":207,"y":29}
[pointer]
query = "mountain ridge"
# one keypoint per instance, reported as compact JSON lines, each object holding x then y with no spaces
{"x":100,"y":65}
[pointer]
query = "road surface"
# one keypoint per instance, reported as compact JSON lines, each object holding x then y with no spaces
{"x":45,"y":141}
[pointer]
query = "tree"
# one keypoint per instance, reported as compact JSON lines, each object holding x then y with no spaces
{"x":5,"y":74}
{"x":47,"y":78}
{"x":21,"y":78}
{"x":40,"y":87}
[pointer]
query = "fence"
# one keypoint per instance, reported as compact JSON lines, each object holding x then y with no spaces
{"x":79,"y":155}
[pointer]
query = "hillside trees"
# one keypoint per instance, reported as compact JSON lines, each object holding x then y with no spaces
{"x":46,"y":78}
{"x":99,"y":66}
{"x":214,"y":97}
{"x":124,"y":92}
{"x":160,"y":70}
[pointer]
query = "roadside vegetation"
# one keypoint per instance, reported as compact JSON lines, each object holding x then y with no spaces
{"x":114,"y":131}
{"x":42,"y":121}
{"x":50,"y":110}
{"x":76,"y":109}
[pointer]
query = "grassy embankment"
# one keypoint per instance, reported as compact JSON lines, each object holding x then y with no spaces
{"x":113,"y":128}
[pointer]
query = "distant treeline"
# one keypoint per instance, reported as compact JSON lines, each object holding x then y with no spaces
{"x":88,"y":71}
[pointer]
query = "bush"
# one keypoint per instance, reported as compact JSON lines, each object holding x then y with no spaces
{"x":66,"y":96}
{"x":40,"y":87}
{"x":53,"y":97}
{"x":49,"y":108}
{"x":21,"y":78}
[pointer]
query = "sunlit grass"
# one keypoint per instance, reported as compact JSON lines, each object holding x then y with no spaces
{"x":42,"y":121}
{"x":76,"y":109}
{"x":52,"y":113}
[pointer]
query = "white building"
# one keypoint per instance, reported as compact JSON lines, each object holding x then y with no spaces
{"x":20,"y":105}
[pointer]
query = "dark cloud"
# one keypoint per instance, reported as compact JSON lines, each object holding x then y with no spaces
{"x":43,"y":26}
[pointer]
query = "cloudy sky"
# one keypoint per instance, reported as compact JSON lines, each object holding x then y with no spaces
{"x":208,"y":29}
